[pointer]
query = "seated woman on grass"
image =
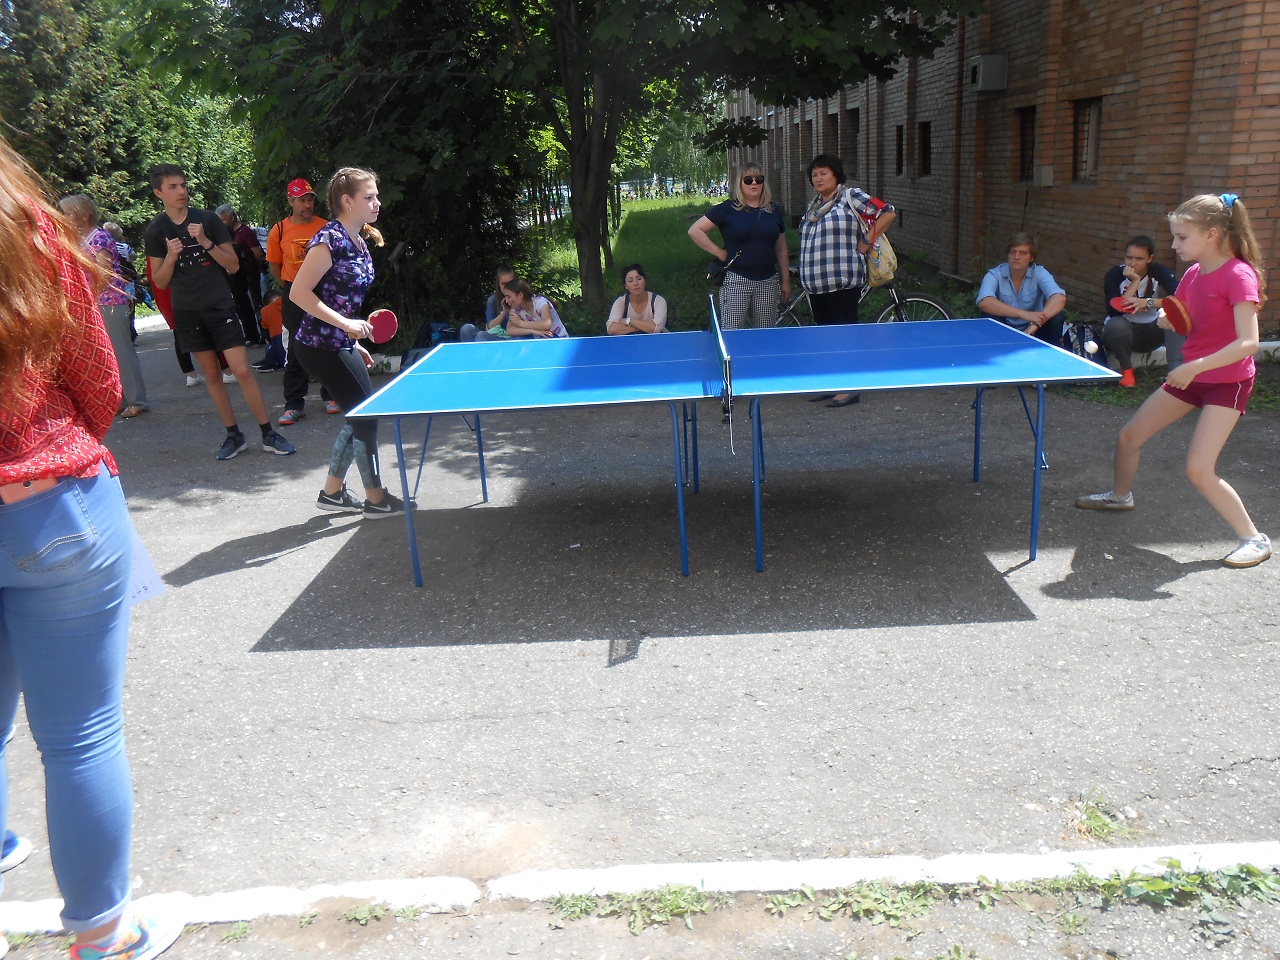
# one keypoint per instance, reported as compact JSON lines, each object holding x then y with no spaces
{"x":527,"y":314}
{"x":637,"y":310}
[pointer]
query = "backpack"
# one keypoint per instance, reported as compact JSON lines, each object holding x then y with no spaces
{"x":429,"y":336}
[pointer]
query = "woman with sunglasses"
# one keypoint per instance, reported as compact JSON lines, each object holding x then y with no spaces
{"x":755,"y":248}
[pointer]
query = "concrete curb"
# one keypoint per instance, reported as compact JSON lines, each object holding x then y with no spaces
{"x":447,"y":894}
{"x":433,"y":894}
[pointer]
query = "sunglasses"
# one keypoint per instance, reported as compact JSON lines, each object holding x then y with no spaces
{"x":753,"y":179}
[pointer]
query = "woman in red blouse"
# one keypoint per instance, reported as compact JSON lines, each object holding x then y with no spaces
{"x":65,"y":553}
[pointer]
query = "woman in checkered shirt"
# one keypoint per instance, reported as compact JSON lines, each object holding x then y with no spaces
{"x":836,"y":232}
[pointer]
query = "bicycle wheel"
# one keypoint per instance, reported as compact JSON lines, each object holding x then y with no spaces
{"x":796,"y":313}
{"x":913,"y":306}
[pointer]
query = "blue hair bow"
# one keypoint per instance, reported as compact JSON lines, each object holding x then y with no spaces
{"x":1228,"y":199}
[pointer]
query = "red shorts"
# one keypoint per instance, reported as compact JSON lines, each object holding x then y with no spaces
{"x":1234,"y":395}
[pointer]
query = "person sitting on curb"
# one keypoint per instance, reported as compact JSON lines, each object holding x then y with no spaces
{"x":495,"y":327}
{"x":529,"y":314}
{"x":637,"y":310}
{"x":1023,"y":294}
{"x":1142,"y":284}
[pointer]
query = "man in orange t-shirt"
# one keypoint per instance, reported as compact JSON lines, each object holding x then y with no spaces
{"x":286,"y":249}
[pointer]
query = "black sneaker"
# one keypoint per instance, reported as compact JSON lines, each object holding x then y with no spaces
{"x":234,"y":443}
{"x":388,"y":506}
{"x":274,"y":443}
{"x":340,"y":502}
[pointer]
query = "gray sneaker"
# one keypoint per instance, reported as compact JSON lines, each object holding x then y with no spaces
{"x":1251,"y":552}
{"x":1105,"y":501}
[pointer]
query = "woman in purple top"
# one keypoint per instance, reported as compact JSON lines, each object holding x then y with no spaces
{"x":331,"y":286}
{"x":112,"y":302}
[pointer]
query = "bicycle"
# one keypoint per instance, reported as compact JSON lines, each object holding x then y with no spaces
{"x":902,"y":307}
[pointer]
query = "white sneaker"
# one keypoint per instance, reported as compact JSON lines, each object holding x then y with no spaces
{"x":1251,"y":552}
{"x":1106,"y":501}
{"x":228,"y":377}
{"x":193,"y":379}
{"x":19,"y":850}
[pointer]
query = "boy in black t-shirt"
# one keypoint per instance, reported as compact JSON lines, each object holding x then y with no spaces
{"x":185,"y":248}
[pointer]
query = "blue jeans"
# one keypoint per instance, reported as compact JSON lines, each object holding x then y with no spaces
{"x":65,"y":558}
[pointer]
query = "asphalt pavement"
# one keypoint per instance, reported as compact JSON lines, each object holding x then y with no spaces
{"x":899,"y":681}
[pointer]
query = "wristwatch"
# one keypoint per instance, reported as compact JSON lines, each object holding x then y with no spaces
{"x":628,"y":321}
{"x":1150,"y":303}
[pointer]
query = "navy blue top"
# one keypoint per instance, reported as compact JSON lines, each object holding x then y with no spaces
{"x":752,"y":231}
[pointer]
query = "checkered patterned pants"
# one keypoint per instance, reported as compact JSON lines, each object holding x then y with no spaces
{"x":740,"y":297}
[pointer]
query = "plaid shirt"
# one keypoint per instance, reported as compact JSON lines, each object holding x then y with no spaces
{"x":829,"y":257}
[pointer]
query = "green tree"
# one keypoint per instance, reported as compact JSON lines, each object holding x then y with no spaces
{"x":401,"y":89}
{"x":90,"y":121}
{"x":590,"y":65}
{"x":446,"y":96}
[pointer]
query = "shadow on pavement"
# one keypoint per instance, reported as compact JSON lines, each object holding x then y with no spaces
{"x":570,"y":565}
{"x":1122,"y":571}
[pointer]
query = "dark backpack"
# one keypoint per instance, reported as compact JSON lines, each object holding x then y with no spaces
{"x":429,"y":336}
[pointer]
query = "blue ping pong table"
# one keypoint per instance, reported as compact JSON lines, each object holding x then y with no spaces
{"x":737,"y":365}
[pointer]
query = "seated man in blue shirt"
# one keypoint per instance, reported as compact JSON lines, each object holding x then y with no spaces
{"x":1024,"y":294}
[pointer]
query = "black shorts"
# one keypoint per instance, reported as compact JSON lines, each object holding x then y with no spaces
{"x":201,"y":331}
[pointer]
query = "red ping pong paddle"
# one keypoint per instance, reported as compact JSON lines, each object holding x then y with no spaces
{"x":1117,"y":303}
{"x":384,"y":325}
{"x":1176,"y":312}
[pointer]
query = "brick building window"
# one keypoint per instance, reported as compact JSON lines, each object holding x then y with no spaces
{"x":1087,"y":133}
{"x":899,"y":158}
{"x":831,"y":134}
{"x":1026,"y":144}
{"x":849,"y":141}
{"x":924,"y":146}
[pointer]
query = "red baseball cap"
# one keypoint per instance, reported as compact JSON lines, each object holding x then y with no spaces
{"x":299,"y":188}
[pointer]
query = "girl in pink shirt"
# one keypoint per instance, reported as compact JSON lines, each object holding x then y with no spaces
{"x":1223,"y":291}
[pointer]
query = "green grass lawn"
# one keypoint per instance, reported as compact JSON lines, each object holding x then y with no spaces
{"x":653,"y":233}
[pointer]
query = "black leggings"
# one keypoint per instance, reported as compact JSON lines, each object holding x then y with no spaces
{"x":295,"y":381}
{"x":838,"y":306}
{"x":344,"y":374}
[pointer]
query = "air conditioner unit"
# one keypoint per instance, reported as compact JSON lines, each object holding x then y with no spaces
{"x":988,"y":73}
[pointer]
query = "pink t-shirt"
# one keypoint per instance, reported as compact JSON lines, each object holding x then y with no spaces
{"x":1211,"y":298}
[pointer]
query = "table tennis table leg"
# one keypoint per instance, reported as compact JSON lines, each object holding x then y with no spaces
{"x":426,"y":438}
{"x":676,"y":460}
{"x":758,"y":429}
{"x":484,"y":477}
{"x":408,"y":513}
{"x":1027,"y":410}
{"x":757,"y":478}
{"x":977,"y":436}
{"x":697,"y":470}
{"x":1040,"y":467}
{"x":422,"y":460}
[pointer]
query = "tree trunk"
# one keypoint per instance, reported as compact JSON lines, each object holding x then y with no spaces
{"x":604,"y":237}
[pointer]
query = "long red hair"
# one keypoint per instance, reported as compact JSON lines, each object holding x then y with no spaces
{"x":34,"y":315}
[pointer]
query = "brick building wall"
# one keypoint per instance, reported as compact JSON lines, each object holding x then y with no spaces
{"x":1112,"y":114}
